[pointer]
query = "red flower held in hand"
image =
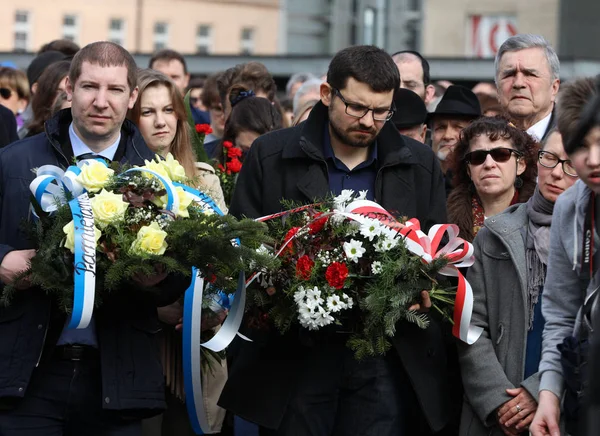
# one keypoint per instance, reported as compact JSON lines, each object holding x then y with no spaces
{"x":234,"y":152}
{"x":304,"y":267}
{"x":234,"y":165}
{"x":336,"y":275}
{"x":204,"y":129}
{"x":227,"y":144}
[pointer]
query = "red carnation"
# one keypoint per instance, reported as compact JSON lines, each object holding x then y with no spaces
{"x":317,"y":225}
{"x":227,"y":144}
{"x":336,"y":275}
{"x":289,"y":249}
{"x":221,"y":167}
{"x":234,"y":152}
{"x":234,"y":165}
{"x":304,"y":267}
{"x":204,"y":129}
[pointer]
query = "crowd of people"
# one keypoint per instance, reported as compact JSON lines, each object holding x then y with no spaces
{"x":514,"y":163}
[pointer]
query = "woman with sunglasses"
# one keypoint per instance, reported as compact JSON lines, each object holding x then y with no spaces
{"x":500,"y":371}
{"x":494,"y":167}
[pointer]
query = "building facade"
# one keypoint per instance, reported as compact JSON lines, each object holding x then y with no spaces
{"x":142,"y":26}
{"x":477,"y":28}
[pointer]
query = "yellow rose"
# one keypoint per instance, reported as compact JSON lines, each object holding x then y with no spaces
{"x":108,"y":208}
{"x":174,"y":169}
{"x":69,"y":230}
{"x":157,"y":167}
{"x":150,"y":239}
{"x":184,"y":202}
{"x":94,"y":175}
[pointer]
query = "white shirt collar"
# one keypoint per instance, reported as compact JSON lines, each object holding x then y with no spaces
{"x":80,"y":148}
{"x":538,"y":130}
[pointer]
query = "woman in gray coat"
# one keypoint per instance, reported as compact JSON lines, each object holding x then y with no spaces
{"x":500,"y":370}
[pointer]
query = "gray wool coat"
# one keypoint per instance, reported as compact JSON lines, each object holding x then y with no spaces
{"x":496,"y":362}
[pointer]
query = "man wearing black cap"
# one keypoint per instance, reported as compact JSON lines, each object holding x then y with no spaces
{"x":410,"y":115}
{"x":455,"y":111}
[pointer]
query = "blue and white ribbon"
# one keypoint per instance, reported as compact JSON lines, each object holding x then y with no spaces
{"x":192,"y":319}
{"x":54,"y":186}
{"x":84,"y":263}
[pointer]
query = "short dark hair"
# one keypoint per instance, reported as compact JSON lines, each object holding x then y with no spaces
{"x":65,"y":46}
{"x":168,"y":55}
{"x":105,"y":54}
{"x":366,"y":64}
{"x":403,"y":54}
{"x":210,"y":92}
{"x":573,"y":99}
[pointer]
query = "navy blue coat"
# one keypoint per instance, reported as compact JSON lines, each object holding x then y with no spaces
{"x":126,"y":323}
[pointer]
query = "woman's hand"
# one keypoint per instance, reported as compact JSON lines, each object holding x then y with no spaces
{"x":517,"y":414}
{"x":547,"y":417}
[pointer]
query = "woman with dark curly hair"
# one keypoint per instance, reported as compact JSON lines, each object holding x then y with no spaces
{"x":494,"y":167}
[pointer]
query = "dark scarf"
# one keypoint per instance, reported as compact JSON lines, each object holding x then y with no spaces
{"x":479,"y":214}
{"x":539,"y":212}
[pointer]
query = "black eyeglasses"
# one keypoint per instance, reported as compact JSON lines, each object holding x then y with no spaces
{"x":500,"y":154}
{"x":5,"y":93}
{"x":358,"y":110}
{"x":550,"y":160}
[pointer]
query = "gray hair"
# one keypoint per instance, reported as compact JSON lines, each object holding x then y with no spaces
{"x":526,"y":40}
{"x":310,"y":86}
{"x":297,"y":78}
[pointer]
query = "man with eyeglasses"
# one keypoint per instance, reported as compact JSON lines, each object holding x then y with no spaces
{"x":310,"y":384}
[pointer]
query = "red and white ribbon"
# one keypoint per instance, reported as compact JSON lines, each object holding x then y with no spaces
{"x":457,"y":251}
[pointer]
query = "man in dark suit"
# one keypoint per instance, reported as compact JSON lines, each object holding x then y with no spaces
{"x":310,"y":384}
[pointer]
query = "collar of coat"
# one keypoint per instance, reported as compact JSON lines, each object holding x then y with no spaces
{"x":391,"y":146}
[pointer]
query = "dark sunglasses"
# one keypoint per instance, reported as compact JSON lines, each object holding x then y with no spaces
{"x":5,"y":93}
{"x":500,"y":154}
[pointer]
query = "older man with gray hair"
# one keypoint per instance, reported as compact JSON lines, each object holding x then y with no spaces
{"x":527,"y":78}
{"x":306,"y":97}
{"x":295,"y":82}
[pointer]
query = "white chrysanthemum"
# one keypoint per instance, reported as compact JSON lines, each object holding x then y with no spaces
{"x":348,"y":301}
{"x":376,"y":267}
{"x":370,"y":229}
{"x":306,"y":312}
{"x":388,"y":232}
{"x":334,"y":304}
{"x":299,"y":295}
{"x":362,"y":195}
{"x":323,"y":317}
{"x":354,"y":250}
{"x":314,"y":296}
{"x":385,"y":244}
{"x":342,"y":200}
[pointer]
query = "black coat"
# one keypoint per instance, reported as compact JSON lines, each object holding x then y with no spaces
{"x":289,"y":164}
{"x":8,"y":127}
{"x":126,"y":325}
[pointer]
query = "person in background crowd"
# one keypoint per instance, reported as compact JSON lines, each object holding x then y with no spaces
{"x":34,"y":71}
{"x":61,"y":102}
{"x":159,"y":113}
{"x":252,"y":76}
{"x":51,"y":84}
{"x":63,"y":381}
{"x":414,"y":74}
{"x":287,"y":108}
{"x":8,"y":127}
{"x":500,"y":370}
{"x":494,"y":167}
{"x":65,"y":46}
{"x":196,"y":87}
{"x":528,"y":78}
{"x":305,"y":99}
{"x":295,"y":82}
{"x":212,"y":101}
{"x":250,"y":118}
{"x":485,"y":88}
{"x":172,"y":64}
{"x":410,"y":115}
{"x":455,"y":111}
{"x":309,"y":383}
{"x":490,"y":107}
{"x":14,"y":92}
{"x":571,"y":280}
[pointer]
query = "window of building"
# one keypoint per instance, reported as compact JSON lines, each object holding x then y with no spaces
{"x":71,"y":28}
{"x":247,"y":41}
{"x":161,"y":35}
{"x":204,"y":39}
{"x":116,"y":31}
{"x":369,"y":27}
{"x":22,"y":33}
